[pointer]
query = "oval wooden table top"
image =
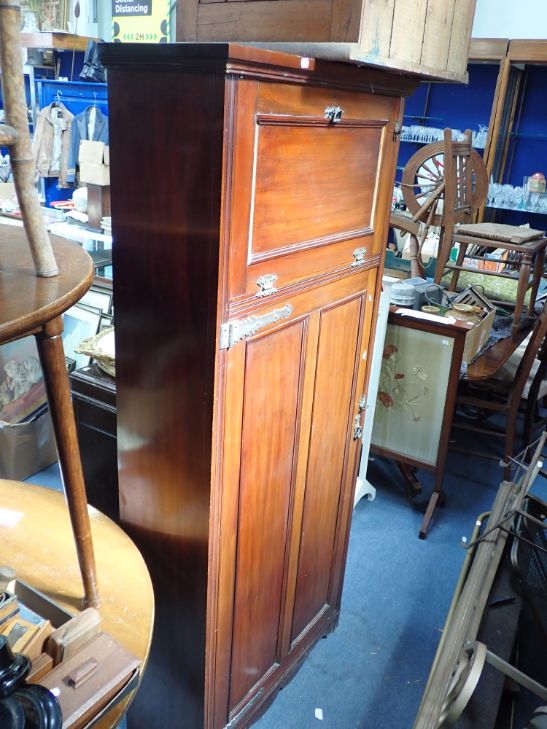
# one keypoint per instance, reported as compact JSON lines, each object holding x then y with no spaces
{"x":27,"y":300}
{"x":36,"y":540}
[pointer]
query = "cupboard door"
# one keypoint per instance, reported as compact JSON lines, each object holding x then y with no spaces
{"x":303,"y":189}
{"x":270,"y":411}
{"x":342,"y":328}
{"x":289,"y":408}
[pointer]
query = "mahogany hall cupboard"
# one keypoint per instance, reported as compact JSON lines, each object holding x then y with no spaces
{"x":250,"y":194}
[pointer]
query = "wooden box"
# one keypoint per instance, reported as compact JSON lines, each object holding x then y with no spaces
{"x":477,"y":337}
{"x":417,"y":36}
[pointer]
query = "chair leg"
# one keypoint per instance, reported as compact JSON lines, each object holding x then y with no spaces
{"x":538,"y":273}
{"x":532,"y":400}
{"x":459,"y":261}
{"x":524,"y":278}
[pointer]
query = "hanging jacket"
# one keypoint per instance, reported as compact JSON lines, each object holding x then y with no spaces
{"x":51,"y":143}
{"x":81,"y":131}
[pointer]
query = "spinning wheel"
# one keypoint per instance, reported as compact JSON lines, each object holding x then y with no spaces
{"x":424,"y":182}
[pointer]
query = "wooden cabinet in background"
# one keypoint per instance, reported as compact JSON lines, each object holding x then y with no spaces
{"x":250,"y":200}
{"x":94,"y":400}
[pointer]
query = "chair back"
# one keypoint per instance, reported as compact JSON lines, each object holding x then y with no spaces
{"x":535,"y":344}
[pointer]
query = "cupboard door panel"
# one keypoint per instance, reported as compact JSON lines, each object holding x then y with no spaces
{"x":302,"y":193}
{"x":335,"y":379}
{"x":269,"y":428}
{"x":340,"y":196}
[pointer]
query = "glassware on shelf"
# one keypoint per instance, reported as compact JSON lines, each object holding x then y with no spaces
{"x":425,"y":135}
{"x":513,"y":197}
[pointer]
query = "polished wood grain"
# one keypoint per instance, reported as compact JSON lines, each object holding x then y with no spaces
{"x":342,"y":202}
{"x":270,"y":400}
{"x":272,"y":234}
{"x":496,"y":356}
{"x":37,"y":542}
{"x":214,"y":445}
{"x":339,"y":351}
{"x":166,"y":261}
{"x":28,"y":301}
{"x":33,"y":305}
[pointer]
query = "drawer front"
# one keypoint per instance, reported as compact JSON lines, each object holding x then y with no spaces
{"x":308,"y":185}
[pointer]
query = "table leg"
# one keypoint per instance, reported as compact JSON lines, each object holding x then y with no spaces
{"x":52,"y":357}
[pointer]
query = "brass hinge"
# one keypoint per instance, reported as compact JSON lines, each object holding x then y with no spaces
{"x":234,"y":331}
{"x":397,"y":129}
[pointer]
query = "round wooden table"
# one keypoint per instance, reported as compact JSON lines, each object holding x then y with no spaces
{"x":36,"y":540}
{"x":33,"y":305}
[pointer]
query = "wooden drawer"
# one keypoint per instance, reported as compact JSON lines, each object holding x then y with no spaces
{"x":305,"y":184}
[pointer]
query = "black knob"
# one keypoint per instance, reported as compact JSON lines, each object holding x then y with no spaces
{"x":41,"y":708}
{"x":13,"y":668}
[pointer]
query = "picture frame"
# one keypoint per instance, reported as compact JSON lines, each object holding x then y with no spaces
{"x":98,"y":298}
{"x":79,"y":323}
{"x":107,"y":320}
{"x":22,"y":388}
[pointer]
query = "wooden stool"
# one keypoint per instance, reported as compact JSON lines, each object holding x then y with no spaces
{"x":528,"y":244}
{"x":38,"y":543}
{"x":34,"y":305}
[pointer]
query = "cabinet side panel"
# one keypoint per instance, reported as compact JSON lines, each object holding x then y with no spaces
{"x":271,"y":396}
{"x":165,"y":177}
{"x":336,"y":363}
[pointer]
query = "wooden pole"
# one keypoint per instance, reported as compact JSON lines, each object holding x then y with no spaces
{"x":22,"y":161}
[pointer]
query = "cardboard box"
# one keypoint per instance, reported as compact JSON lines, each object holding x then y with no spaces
{"x":95,"y":174}
{"x":7,"y":190}
{"x":91,"y":152}
{"x":26,"y":448}
{"x":94,"y":159}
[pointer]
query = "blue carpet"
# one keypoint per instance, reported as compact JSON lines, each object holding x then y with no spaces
{"x":371,"y":671}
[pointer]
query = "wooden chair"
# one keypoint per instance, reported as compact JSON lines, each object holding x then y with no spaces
{"x":444,"y":184}
{"x":478,"y":400}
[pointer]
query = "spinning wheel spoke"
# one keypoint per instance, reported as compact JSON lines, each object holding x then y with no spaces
{"x":423,"y":177}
